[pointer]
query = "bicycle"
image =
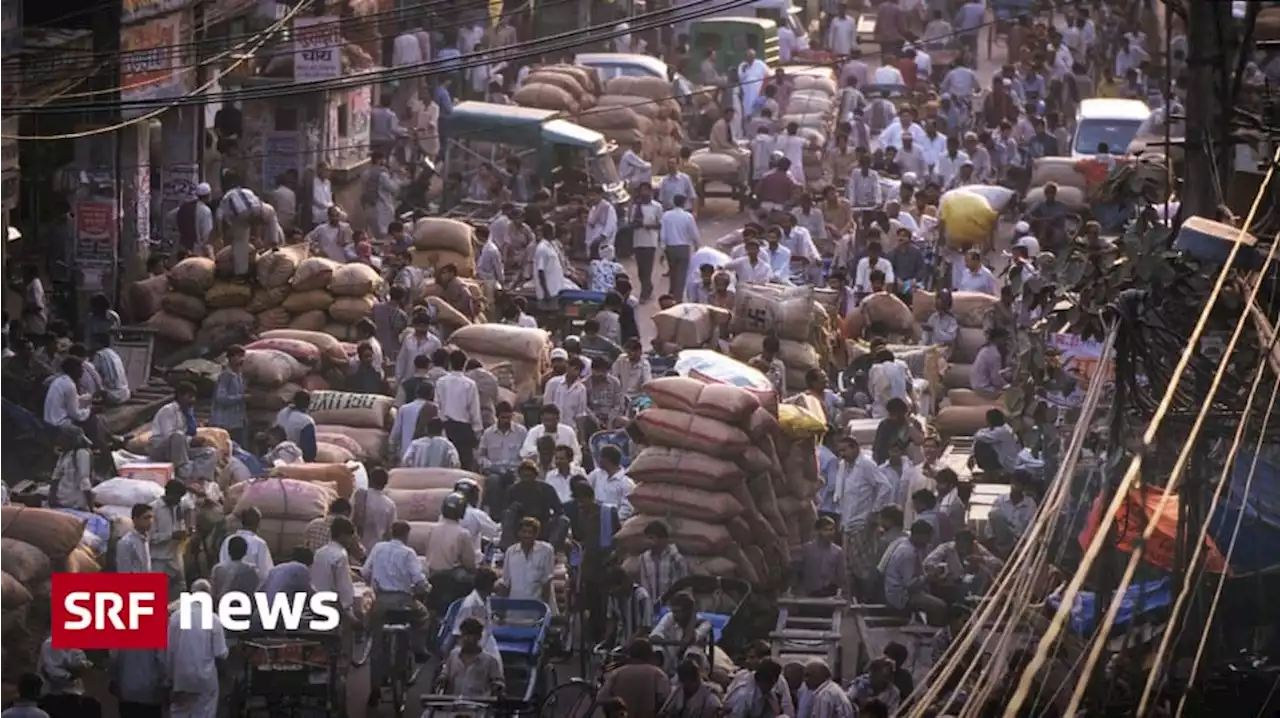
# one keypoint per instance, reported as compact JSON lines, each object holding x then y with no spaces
{"x":403,"y":670}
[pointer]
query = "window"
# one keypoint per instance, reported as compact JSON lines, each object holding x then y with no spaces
{"x":1117,"y":134}
{"x":286,"y":119}
{"x":344,"y":120}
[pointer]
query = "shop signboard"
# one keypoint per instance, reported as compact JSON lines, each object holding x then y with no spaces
{"x":152,"y":66}
{"x":317,"y":43}
{"x":132,"y":11}
{"x":96,"y":232}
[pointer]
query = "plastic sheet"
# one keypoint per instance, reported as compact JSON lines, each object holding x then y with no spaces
{"x":1257,"y":546}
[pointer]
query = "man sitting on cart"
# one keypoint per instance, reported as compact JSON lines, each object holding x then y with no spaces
{"x":475,"y":607}
{"x":681,"y":631}
{"x":470,"y":671}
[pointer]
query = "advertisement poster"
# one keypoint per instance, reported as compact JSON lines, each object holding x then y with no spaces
{"x":317,"y":45}
{"x":95,"y":233}
{"x":151,"y":64}
{"x":1080,"y":358}
{"x":177,"y":184}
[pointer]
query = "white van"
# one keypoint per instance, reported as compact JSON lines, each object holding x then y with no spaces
{"x":1107,"y":121}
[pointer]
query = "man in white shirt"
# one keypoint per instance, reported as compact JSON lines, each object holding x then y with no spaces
{"x":887,"y":75}
{"x":548,"y":273}
{"x":258,"y":554}
{"x":333,"y":238}
{"x":396,"y":575}
{"x":331,"y":567}
{"x":751,"y":75}
{"x":611,"y":483}
{"x":646,"y":221}
{"x":171,"y":428}
{"x":751,"y":268}
{"x":564,"y":434}
{"x":406,"y":421}
{"x":976,"y":277}
{"x":864,"y":185}
{"x":406,"y":51}
{"x":875,"y":260}
{"x":632,"y":169}
{"x":842,"y":35}
{"x":892,"y":135}
{"x":191,"y":223}
{"x":431,"y":449}
{"x":420,"y":342}
{"x":458,"y":398}
{"x":676,"y":184}
{"x":64,"y":405}
{"x":681,"y":236}
{"x":568,"y":392}
{"x":602,"y":220}
{"x":321,"y":194}
{"x":529,"y":565}
{"x":860,"y":492}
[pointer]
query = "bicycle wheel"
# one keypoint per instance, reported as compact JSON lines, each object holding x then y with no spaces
{"x":575,"y":699}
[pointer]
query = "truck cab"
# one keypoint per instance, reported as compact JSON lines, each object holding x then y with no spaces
{"x":731,"y":37}
{"x":525,"y":148}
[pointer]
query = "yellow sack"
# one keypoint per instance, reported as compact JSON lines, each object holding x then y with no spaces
{"x":798,"y":422}
{"x":968,"y":217}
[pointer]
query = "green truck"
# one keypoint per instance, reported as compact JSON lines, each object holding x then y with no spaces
{"x":480,"y":140}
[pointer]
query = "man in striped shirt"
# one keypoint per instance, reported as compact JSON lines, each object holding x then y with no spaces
{"x":115,"y":382}
{"x":662,"y":565}
{"x":629,"y":611}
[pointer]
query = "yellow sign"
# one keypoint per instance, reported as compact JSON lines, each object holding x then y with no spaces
{"x":495,"y":12}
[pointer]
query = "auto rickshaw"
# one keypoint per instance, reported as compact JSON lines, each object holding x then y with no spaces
{"x":731,"y":37}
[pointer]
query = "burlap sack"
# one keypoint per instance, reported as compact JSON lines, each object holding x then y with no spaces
{"x":720,"y":166}
{"x":283,"y":535}
{"x":231,"y":317}
{"x":53,"y":532}
{"x":923,"y":305}
{"x":344,"y":332}
{"x":722,"y":402}
{"x":173,"y":328}
{"x":892,"y":313}
{"x":960,"y":420}
{"x":194,"y":276}
{"x":335,"y":473}
{"x":309,"y":301}
{"x":682,"y":501}
{"x":588,"y":77}
{"x":806,"y":103}
{"x":273,"y":319}
{"x":418,"y":504}
{"x":372,"y":441}
{"x":303,"y":352}
{"x":698,"y":566}
{"x":968,"y":341}
{"x":804,"y":82}
{"x":659,"y":464}
{"x":271,"y":368}
{"x":369,"y":411}
{"x":546,"y":97}
{"x":315,"y":382}
{"x":143,"y":298}
{"x":332,"y":454}
{"x":788,"y":313}
{"x":796,"y":355}
{"x":663,"y":427}
{"x":689,"y":535}
{"x":13,"y":595}
{"x":82,"y":560}
{"x":185,"y":306}
{"x":689,"y":326}
{"x":1061,"y":170}
{"x":957,"y":376}
{"x":419,"y":479}
{"x":276,"y":266}
{"x":286,"y":499}
{"x":448,"y":317}
{"x":619,"y":113}
{"x":969,"y":397}
{"x":565,"y":82}
{"x":207,"y":435}
{"x":506,"y":341}
{"x":264,"y":299}
{"x":273,"y":399}
{"x":354,"y":280}
{"x":24,"y":562}
{"x":653,"y":88}
{"x":313,"y":273}
{"x":345,"y":442}
{"x":313,"y":321}
{"x":971,"y":308}
{"x":228,"y":294}
{"x":349,"y":310}
{"x":329,"y":347}
{"x":435,"y":259}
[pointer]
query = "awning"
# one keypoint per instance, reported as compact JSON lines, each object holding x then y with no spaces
{"x":1132,"y":518}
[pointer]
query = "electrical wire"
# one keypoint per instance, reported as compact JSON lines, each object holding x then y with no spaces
{"x":553,"y":43}
{"x":266,"y":34}
{"x":1131,"y":474}
{"x":182,"y":70}
{"x":1189,"y":585}
{"x":653,"y":20}
{"x":194,"y":47}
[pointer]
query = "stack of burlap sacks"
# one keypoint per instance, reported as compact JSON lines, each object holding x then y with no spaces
{"x":36,"y":543}
{"x":438,"y":241}
{"x":1073,"y":185}
{"x":813,"y":105}
{"x":292,"y":291}
{"x":691,"y":326}
{"x":517,"y":356}
{"x":638,"y":110}
{"x":711,"y":470}
{"x":563,"y":88}
{"x":351,"y":426}
{"x":287,"y":505}
{"x":794,"y":315}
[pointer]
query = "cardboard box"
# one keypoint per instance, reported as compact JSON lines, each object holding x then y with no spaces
{"x":161,"y":472}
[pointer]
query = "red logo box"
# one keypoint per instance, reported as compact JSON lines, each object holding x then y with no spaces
{"x":105,"y":611}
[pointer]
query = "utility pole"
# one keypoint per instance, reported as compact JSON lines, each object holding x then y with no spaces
{"x":1208,"y":148}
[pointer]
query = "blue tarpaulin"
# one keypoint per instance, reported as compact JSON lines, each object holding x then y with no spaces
{"x":1257,"y":547}
{"x":1149,"y":596}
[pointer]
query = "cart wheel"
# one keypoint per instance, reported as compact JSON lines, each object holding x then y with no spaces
{"x":575,"y":699}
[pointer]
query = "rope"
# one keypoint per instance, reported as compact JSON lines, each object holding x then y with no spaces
{"x":1131,"y":474}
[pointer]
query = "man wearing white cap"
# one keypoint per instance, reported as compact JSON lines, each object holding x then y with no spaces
{"x":191,"y":222}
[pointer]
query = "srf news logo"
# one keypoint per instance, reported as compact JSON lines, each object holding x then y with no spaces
{"x":130,"y":611}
